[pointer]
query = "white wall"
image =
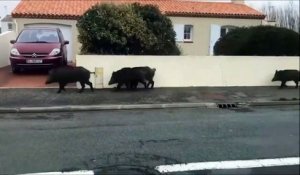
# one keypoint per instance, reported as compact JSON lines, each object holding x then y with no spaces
{"x":4,"y":27}
{"x":185,"y":71}
{"x":5,"y":47}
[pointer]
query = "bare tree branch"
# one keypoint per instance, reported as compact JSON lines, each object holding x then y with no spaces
{"x":286,"y":16}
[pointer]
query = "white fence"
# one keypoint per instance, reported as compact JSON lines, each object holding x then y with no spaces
{"x":5,"y":47}
{"x":186,"y":71}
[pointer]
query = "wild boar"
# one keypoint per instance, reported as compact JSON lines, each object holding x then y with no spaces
{"x":143,"y":75}
{"x":286,"y":75}
{"x":121,"y":77}
{"x":132,"y":76}
{"x":68,"y":74}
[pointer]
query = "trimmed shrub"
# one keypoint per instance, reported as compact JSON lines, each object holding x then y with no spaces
{"x":126,"y":29}
{"x":161,"y":26}
{"x":259,"y":40}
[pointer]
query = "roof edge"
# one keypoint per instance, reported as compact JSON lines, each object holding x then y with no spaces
{"x":212,"y":15}
{"x":169,"y":14}
{"x":43,"y":16}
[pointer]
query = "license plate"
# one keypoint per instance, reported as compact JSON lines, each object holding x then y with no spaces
{"x":34,"y":61}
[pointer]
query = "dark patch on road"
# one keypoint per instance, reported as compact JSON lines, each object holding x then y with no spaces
{"x":47,"y":116}
{"x":143,"y":143}
{"x":29,"y":117}
{"x":70,"y":169}
{"x":288,"y":99}
{"x":148,"y":161}
{"x":241,"y":110}
{"x":126,"y":170}
{"x":81,"y":127}
{"x":66,"y":115}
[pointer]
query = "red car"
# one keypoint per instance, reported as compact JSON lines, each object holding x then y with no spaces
{"x":38,"y":47}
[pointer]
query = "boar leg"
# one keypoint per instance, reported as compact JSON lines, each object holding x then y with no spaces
{"x":119,"y":85}
{"x":150,"y":82}
{"x":134,"y":84}
{"x":91,"y":85}
{"x":128,"y":85}
{"x":296,"y":84}
{"x":144,"y":83}
{"x":283,"y":84}
{"x":82,"y":87}
{"x":61,"y":87}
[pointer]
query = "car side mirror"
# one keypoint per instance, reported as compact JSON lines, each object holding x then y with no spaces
{"x":66,"y":42}
{"x":12,"y":41}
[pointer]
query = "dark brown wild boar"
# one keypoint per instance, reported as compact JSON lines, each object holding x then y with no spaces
{"x":132,"y":76}
{"x":68,"y":74}
{"x":286,"y":75}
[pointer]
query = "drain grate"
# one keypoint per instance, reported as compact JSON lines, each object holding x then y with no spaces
{"x":227,"y":105}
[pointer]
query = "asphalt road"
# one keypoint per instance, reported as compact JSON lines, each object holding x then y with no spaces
{"x":115,"y":141}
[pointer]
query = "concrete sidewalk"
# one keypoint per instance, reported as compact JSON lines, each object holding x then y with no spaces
{"x":35,"y":100}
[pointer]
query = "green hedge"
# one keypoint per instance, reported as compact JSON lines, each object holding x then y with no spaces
{"x":126,"y":29}
{"x":259,"y":40}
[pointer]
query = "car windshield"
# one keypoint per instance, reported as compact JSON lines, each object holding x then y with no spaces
{"x":38,"y":36}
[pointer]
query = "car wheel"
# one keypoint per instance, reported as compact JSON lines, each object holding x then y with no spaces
{"x":65,"y":62}
{"x":15,"y":70}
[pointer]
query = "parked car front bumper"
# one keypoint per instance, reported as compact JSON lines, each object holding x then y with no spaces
{"x":49,"y":61}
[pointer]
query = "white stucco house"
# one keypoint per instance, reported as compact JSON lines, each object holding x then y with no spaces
{"x":198,"y":25}
{"x":7,"y":24}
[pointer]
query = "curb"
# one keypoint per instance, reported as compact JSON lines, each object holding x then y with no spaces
{"x":73,"y":108}
{"x":274,"y":103}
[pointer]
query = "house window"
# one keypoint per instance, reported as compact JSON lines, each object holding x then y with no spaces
{"x":184,"y":33}
{"x":9,"y":26}
{"x":188,"y":33}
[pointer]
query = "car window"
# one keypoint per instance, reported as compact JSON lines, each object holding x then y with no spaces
{"x":39,"y":36}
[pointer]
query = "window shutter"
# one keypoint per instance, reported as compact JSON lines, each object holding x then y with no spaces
{"x":179,"y":29}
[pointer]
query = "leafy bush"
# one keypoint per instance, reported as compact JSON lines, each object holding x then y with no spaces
{"x":126,"y":29}
{"x":259,"y":40}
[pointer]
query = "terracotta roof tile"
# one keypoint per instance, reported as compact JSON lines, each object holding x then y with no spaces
{"x":72,"y":9}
